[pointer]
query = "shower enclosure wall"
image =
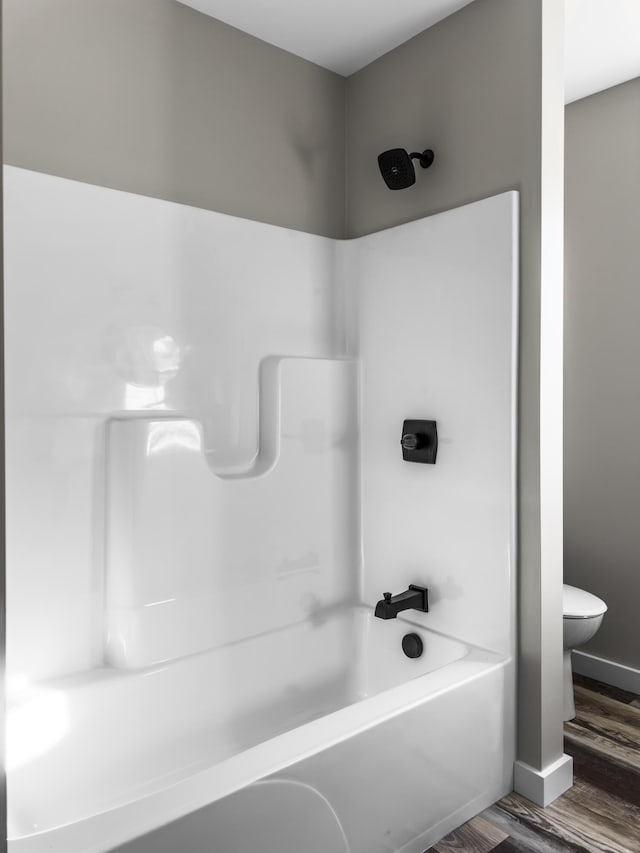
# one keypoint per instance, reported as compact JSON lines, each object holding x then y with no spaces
{"x":206,"y":499}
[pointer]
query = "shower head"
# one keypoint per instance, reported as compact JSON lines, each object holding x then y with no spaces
{"x":397,"y":169}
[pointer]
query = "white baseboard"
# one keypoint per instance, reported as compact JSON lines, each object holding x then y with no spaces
{"x":543,"y":786}
{"x":616,"y":674}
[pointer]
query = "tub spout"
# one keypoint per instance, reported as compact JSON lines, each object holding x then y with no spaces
{"x":414,"y":598}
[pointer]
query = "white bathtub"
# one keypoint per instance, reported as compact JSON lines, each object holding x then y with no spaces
{"x":119,"y":754}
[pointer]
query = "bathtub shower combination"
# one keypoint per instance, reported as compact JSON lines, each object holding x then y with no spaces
{"x":210,"y":491}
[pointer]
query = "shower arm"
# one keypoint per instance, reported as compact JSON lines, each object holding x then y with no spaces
{"x":426,"y":157}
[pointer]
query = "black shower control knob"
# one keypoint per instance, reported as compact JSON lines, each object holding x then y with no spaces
{"x":411,"y":441}
{"x":387,"y":596}
{"x":419,"y":440}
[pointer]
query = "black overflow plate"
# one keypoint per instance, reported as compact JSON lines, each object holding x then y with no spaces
{"x":412,"y":645}
{"x":419,"y":441}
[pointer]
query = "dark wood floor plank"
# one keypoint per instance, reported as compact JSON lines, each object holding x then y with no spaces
{"x":476,"y":836}
{"x":602,"y":821}
{"x":615,"y":714}
{"x":550,"y":826}
{"x":592,"y":732}
{"x":518,"y":818}
{"x":526,"y":837}
{"x":511,"y":845}
{"x":604,"y":746}
{"x":600,"y":772}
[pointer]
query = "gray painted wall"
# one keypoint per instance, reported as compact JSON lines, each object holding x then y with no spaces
{"x":602,"y":361}
{"x":470,"y":88}
{"x":155,"y":98}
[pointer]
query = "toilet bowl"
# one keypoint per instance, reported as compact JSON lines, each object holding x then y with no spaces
{"x":582,"y":615}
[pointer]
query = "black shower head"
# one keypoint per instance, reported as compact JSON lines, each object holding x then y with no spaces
{"x":397,"y":169}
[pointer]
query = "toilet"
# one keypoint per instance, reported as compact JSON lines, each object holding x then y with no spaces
{"x":582,"y":615}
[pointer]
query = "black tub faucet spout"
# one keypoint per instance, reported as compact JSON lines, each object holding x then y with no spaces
{"x":414,"y":598}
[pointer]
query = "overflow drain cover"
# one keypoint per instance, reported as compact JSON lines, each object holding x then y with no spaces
{"x":412,"y":645}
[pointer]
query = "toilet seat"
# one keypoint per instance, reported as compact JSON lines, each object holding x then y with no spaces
{"x":580,"y":604}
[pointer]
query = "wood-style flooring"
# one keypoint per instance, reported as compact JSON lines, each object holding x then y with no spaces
{"x":600,"y":814}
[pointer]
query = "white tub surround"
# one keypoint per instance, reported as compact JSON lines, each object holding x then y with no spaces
{"x":122,"y":305}
{"x":434,"y":326}
{"x":185,"y":546}
{"x":203,"y":426}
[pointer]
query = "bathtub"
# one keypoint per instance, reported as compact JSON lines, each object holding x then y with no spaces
{"x":316,"y":705}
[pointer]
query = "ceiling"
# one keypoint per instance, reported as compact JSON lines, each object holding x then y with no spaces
{"x":342,"y":35}
{"x":602,"y":46}
{"x":602,"y":36}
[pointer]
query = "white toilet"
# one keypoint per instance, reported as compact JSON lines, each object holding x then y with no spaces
{"x":582,"y":615}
